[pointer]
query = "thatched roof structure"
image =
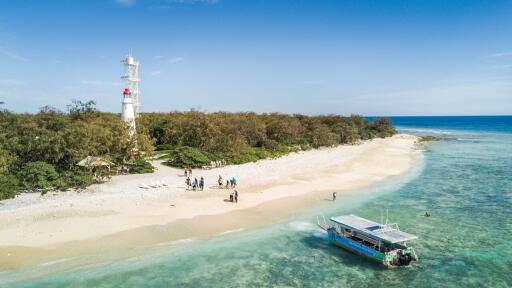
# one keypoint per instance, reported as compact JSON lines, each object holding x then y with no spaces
{"x":92,"y":161}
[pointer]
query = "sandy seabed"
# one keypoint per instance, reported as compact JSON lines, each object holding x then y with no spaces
{"x":119,"y":214}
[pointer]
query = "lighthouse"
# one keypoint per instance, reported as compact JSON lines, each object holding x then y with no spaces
{"x":128,"y":114}
{"x":131,"y":92}
{"x":131,"y":78}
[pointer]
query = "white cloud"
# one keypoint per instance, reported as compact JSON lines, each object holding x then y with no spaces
{"x":125,"y":2}
{"x":11,"y":82}
{"x":501,"y":54}
{"x":176,"y":60}
{"x":155,"y":73}
{"x":464,"y":97}
{"x":11,"y":54}
{"x":97,"y":82}
{"x":170,"y":60}
{"x":502,"y":66}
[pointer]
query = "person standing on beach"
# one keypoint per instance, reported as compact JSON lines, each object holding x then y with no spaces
{"x":227,"y":184}
{"x":220,"y":182}
{"x":201,"y":183}
{"x":189,"y":170}
{"x":186,"y":172}
{"x":188,"y":182}
{"x":194,"y":185}
{"x":333,"y":196}
{"x":236,"y":196}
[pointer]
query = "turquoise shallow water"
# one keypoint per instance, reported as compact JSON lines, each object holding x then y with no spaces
{"x":465,"y":183}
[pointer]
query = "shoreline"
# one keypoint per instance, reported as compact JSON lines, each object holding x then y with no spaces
{"x":261,"y":202}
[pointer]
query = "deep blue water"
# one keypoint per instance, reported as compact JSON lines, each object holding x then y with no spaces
{"x":465,"y":183}
{"x":500,"y":124}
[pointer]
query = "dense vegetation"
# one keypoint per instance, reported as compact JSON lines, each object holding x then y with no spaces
{"x":40,"y":152}
{"x":196,"y":138}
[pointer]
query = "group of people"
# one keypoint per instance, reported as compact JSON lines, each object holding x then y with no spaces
{"x":233,"y":197}
{"x":230,"y":183}
{"x":199,"y":184}
{"x":195,"y":184}
{"x":188,"y":171}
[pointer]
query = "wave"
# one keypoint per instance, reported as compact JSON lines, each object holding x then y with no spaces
{"x":468,"y":140}
{"x":302,"y":226}
{"x":177,"y":242}
{"x":53,"y":262}
{"x":319,"y":233}
{"x":232,"y":231}
{"x":425,"y":130}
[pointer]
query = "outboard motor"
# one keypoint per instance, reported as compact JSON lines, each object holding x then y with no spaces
{"x":404,"y":258}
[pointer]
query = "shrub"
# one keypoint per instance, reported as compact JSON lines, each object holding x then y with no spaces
{"x":9,"y":185}
{"x":76,"y":178}
{"x":140,"y":166}
{"x":165,"y":147}
{"x":185,"y":156}
{"x":38,"y":175}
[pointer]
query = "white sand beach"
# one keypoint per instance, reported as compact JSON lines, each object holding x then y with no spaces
{"x":35,"y":221}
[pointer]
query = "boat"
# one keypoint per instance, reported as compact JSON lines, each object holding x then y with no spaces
{"x":383,"y":243}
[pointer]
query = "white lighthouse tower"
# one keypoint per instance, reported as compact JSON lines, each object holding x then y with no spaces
{"x":131,"y":78}
{"x":128,"y":114}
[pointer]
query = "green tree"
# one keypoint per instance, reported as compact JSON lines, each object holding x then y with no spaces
{"x":38,"y":175}
{"x":283,"y":129}
{"x":6,"y":156}
{"x":8,"y":186}
{"x":79,"y":110}
{"x":383,"y":127}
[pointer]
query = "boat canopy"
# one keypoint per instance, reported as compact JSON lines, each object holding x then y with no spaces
{"x":374,"y":229}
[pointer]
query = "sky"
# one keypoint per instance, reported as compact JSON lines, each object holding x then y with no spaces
{"x":375,"y":58}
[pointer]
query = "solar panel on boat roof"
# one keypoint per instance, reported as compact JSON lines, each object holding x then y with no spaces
{"x":374,"y":229}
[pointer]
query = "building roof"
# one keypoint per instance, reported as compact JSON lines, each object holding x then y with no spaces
{"x":91,"y":161}
{"x":374,"y":229}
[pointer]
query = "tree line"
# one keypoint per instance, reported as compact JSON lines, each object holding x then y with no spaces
{"x":197,"y":138}
{"x":39,"y":152}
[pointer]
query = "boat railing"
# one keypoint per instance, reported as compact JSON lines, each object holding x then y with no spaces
{"x":389,"y":228}
{"x":392,"y":226}
{"x":322,"y":223}
{"x":413,"y":252}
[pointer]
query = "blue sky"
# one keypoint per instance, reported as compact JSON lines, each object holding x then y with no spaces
{"x":313,"y":57}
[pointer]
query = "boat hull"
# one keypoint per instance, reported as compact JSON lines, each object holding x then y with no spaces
{"x":355,"y":247}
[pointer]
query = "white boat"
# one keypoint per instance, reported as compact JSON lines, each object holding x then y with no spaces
{"x":384,"y":243}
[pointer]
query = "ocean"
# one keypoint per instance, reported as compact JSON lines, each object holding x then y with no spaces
{"x":464,"y":182}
